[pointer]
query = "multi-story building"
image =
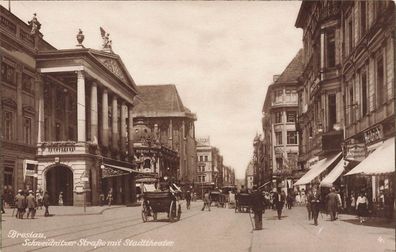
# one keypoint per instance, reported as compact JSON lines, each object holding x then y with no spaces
{"x":249,"y":175}
{"x":347,"y":94}
{"x":165,"y":114}
{"x":320,"y":96}
{"x":228,"y":176}
{"x":279,"y":117}
{"x":66,"y":116}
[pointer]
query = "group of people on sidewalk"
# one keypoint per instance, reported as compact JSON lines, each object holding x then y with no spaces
{"x":23,"y":201}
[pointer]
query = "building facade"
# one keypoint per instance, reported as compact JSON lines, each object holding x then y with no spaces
{"x":279,"y":117}
{"x":346,"y":97}
{"x":249,"y":176}
{"x":164,"y":113}
{"x":71,"y":111}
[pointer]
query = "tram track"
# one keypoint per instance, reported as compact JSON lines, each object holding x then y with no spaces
{"x":134,"y":220}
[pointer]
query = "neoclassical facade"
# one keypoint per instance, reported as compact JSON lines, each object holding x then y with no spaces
{"x":71,"y":110}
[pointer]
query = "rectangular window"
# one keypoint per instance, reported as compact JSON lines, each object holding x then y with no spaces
{"x":278,"y":117}
{"x":332,"y":111}
{"x":27,"y":130}
{"x":291,"y":116}
{"x":278,"y":136}
{"x":8,"y":127}
{"x":288,"y":95}
{"x":350,"y":35}
{"x":350,"y":110}
{"x":278,"y":96}
{"x":331,"y":53}
{"x":27,"y":83}
{"x":279,"y":163}
{"x":7,"y":73}
{"x":291,"y":137}
{"x":206,"y":158}
{"x":381,"y":90}
{"x":364,"y":94}
{"x":363,"y":18}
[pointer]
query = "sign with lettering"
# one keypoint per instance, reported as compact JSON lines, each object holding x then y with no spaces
{"x":373,"y":135}
{"x":355,"y":152}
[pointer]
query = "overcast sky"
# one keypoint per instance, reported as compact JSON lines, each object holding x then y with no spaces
{"x":220,"y":55}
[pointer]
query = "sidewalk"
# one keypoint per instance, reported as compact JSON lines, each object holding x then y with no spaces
{"x":295,"y":233}
{"x":68,"y":210}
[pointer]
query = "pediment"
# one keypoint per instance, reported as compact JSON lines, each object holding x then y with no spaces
{"x":114,"y":66}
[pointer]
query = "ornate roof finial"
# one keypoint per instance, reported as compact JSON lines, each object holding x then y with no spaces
{"x":34,"y":24}
{"x":80,"y":38}
{"x":106,"y":44}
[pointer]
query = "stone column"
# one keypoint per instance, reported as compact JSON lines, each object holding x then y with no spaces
{"x":115,"y":123}
{"x":94,"y":113}
{"x":66,"y":118}
{"x":130,"y":130}
{"x":127,"y":187}
{"x":19,"y":114}
{"x":132,"y":182}
{"x":81,"y":130}
{"x":123,"y":126}
{"x":170,"y":136}
{"x":40,"y":104}
{"x":52,"y":123}
{"x":105,"y":118}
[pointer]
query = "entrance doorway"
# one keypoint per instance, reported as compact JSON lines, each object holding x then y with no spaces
{"x":60,"y":179}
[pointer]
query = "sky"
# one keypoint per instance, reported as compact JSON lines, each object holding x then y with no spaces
{"x":220,"y":55}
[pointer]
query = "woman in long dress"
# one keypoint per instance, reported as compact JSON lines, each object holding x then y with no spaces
{"x":60,"y":199}
{"x":361,"y":207}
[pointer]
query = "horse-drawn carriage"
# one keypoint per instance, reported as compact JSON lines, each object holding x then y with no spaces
{"x":160,"y":202}
{"x":243,"y":202}
{"x":218,"y":198}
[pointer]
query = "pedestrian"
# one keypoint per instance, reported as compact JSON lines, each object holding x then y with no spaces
{"x":20,"y":204}
{"x":332,"y":203}
{"x":279,"y":201}
{"x":243,"y":189}
{"x":39,"y":198}
{"x":60,"y":199}
{"x":206,"y":200}
{"x":308,"y":205}
{"x":188,"y":199}
{"x":353,"y":203}
{"x":46,"y":203}
{"x":3,"y":201}
{"x":361,"y":207}
{"x":257,"y":207}
{"x":31,"y":204}
{"x":289,"y":200}
{"x":339,"y":204}
{"x":389,"y":202}
{"x":110,"y":196}
{"x":314,"y":199}
{"x":101,"y":199}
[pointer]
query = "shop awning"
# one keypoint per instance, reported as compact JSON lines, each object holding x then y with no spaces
{"x":333,"y":175}
{"x":380,"y":161}
{"x":317,"y":169}
{"x":114,"y":170}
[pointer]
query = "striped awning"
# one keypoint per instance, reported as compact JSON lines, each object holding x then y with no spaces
{"x":333,"y":175}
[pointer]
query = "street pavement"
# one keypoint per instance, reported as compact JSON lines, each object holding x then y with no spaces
{"x":221,"y":229}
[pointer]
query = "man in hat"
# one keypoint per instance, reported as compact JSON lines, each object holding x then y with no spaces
{"x":257,"y":207}
{"x":279,"y":201}
{"x":332,"y":203}
{"x":20,"y":204}
{"x":31,"y":204}
{"x":46,"y":203}
{"x":314,"y":200}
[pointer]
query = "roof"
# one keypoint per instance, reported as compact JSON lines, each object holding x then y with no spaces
{"x":293,"y":71}
{"x":160,"y":101}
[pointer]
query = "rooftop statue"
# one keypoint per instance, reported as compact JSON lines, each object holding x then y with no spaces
{"x":80,"y":38}
{"x":34,"y":24}
{"x":106,"y":44}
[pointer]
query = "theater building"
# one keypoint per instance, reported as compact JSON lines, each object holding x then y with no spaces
{"x":70,"y":111}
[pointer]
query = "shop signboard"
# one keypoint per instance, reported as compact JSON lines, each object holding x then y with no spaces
{"x":355,"y":152}
{"x":373,"y":135}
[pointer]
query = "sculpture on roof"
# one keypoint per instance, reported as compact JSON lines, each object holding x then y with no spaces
{"x":106,"y":44}
{"x":34,"y":24}
{"x":80,"y":38}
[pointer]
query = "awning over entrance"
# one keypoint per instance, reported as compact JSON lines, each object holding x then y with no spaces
{"x":114,"y":170}
{"x":317,"y":169}
{"x":381,"y":161}
{"x":333,"y":175}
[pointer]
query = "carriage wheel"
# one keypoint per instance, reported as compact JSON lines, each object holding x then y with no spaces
{"x":179,"y":212}
{"x":155,"y":216}
{"x":172,"y":211}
